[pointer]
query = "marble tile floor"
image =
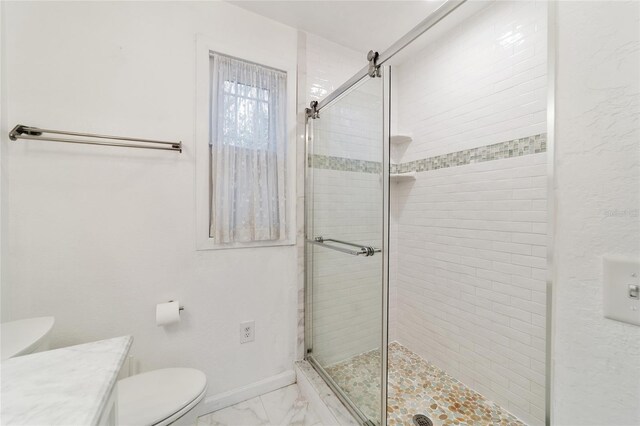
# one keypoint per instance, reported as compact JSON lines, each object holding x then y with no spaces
{"x":415,"y":387}
{"x":285,"y":406}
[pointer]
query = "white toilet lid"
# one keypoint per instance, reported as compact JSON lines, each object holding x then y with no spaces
{"x":23,"y":336}
{"x":148,"y":398}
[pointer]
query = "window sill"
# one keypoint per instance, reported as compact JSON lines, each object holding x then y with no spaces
{"x":210,"y":244}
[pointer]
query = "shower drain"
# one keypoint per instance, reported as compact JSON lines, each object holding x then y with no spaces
{"x":422,"y":420}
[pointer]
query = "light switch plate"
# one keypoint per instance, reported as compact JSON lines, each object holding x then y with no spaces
{"x":621,"y":275}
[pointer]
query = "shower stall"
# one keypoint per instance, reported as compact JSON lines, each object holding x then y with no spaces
{"x":426,"y":224}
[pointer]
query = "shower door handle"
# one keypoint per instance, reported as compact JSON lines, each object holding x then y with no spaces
{"x":361,"y":250}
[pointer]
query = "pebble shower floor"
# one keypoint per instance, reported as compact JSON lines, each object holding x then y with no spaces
{"x":415,"y":387}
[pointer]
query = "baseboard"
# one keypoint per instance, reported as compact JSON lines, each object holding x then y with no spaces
{"x":234,"y":396}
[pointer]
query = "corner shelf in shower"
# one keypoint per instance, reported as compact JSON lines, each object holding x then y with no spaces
{"x":402,"y":177}
{"x":400,"y":139}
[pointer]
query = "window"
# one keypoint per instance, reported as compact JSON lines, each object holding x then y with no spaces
{"x":248,"y":145}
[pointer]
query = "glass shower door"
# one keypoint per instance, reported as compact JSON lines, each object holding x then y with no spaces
{"x":347,"y":201}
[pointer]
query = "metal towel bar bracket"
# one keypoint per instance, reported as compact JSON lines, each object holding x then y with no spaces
{"x":35,"y":133}
{"x":362,"y":250}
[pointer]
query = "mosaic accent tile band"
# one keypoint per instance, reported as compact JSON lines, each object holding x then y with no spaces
{"x":497,"y":151}
{"x":513,"y":148}
{"x":415,"y":387}
{"x":344,"y":164}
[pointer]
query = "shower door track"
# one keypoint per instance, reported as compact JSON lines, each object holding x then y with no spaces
{"x":342,"y":396}
{"x":436,"y":16}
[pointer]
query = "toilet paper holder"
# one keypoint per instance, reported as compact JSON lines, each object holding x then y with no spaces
{"x":168,"y":313}
{"x":180,"y":308}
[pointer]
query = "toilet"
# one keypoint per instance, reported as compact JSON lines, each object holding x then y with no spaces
{"x":25,"y":336}
{"x":160,"y":397}
{"x":155,"y":398}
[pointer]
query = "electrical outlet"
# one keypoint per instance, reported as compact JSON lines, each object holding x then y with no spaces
{"x":247,"y":331}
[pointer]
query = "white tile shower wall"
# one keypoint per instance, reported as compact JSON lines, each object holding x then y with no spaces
{"x":352,"y":128}
{"x":328,"y":66}
{"x":355,"y":121}
{"x":469,"y":288}
{"x":471,"y":276}
{"x":479,"y":84}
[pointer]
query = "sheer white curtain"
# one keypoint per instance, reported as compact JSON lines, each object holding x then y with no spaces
{"x":248,"y":141}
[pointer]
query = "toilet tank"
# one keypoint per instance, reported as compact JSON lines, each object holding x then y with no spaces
{"x":25,"y":336}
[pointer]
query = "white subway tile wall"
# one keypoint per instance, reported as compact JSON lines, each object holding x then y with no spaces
{"x":328,"y":66}
{"x":470,"y":277}
{"x":468,"y":243}
{"x":351,"y":128}
{"x":481,"y":83}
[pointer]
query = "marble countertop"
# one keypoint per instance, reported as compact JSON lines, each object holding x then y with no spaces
{"x":67,"y":386}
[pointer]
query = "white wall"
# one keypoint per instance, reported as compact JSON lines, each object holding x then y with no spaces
{"x":4,"y":293}
{"x":470,"y":267}
{"x":596,"y":377}
{"x":97,"y":236}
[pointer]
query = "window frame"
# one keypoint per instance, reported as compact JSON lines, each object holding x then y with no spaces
{"x":206,"y":47}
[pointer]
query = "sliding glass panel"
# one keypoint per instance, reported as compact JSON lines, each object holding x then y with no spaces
{"x":344,"y":245}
